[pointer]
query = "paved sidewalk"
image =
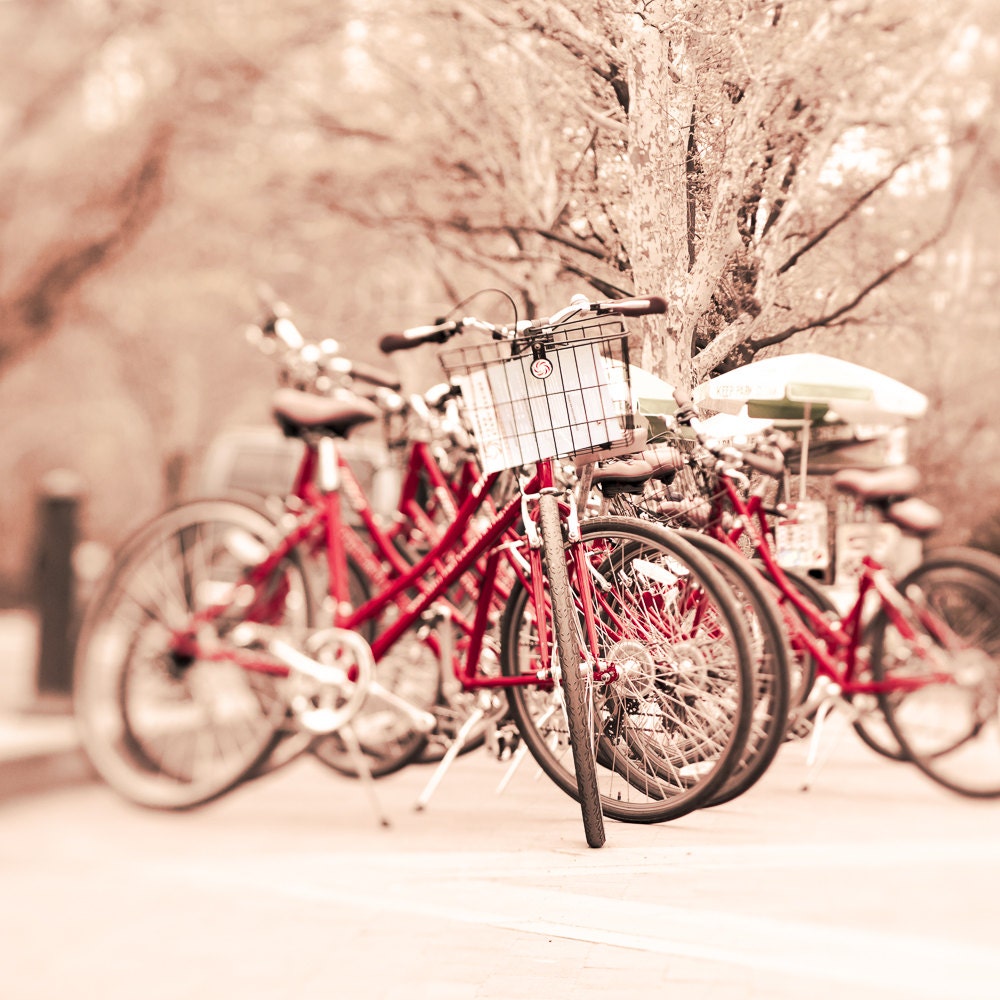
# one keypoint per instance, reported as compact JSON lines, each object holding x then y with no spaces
{"x":874,"y":885}
{"x":39,"y":747}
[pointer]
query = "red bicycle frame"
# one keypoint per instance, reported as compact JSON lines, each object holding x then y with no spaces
{"x":464,"y":551}
{"x":836,"y":647}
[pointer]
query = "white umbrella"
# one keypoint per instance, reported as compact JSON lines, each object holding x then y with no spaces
{"x":734,"y":428}
{"x":799,"y":387}
{"x":650,"y":394}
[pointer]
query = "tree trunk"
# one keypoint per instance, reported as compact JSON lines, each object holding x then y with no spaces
{"x":659,"y":119}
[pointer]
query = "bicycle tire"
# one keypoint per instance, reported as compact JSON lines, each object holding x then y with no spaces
{"x":142,"y":715}
{"x":949,"y":725}
{"x":772,"y":658}
{"x":576,"y":688}
{"x":672,"y":728}
{"x":699,"y":750}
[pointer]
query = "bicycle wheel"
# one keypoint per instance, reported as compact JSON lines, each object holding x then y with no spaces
{"x":869,"y":723}
{"x":944,"y":656}
{"x":165,"y":730}
{"x":673,"y":721}
{"x":574,"y":677}
{"x":772,"y":659}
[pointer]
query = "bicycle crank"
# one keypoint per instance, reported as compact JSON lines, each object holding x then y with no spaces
{"x":329,"y":678}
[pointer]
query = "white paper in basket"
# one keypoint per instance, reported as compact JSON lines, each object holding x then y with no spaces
{"x":519,"y":418}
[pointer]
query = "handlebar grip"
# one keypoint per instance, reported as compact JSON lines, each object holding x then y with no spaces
{"x":287,"y":332}
{"x":687,"y":412}
{"x":394,"y":342}
{"x":437,"y":334}
{"x":682,"y":396}
{"x":648,"y":305}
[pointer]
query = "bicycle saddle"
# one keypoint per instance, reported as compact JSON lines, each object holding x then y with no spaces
{"x":297,"y":411}
{"x":892,"y":487}
{"x":654,"y":462}
{"x":915,"y":515}
{"x":630,"y":469}
{"x":878,"y":484}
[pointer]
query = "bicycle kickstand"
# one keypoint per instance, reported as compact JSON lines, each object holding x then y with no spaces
{"x":813,"y":759}
{"x":357,"y":755}
{"x":521,"y":752}
{"x":515,"y":762}
{"x":448,"y":759}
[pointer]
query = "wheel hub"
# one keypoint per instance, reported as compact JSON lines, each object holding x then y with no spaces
{"x":633,"y":664}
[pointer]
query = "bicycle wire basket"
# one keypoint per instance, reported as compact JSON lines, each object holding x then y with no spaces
{"x":695,"y":498}
{"x":550,"y":392}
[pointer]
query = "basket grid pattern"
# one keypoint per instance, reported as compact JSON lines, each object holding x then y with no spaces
{"x":548,"y":393}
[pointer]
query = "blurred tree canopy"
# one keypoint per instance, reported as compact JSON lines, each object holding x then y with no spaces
{"x":817,"y":174}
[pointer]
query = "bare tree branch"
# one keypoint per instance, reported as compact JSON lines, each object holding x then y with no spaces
{"x":852,"y":209}
{"x":840,"y":315}
{"x":33,"y":310}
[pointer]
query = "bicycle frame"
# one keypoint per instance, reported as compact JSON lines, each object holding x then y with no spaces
{"x":836,"y":647}
{"x":464,"y":497}
{"x":458,"y":552}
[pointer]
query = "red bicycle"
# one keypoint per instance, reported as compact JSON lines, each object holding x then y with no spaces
{"x":205,"y":636}
{"x":919,"y":656}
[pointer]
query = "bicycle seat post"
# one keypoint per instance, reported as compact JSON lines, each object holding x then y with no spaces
{"x":328,"y":471}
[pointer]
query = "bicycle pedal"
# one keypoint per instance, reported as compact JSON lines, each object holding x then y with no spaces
{"x":503,"y":742}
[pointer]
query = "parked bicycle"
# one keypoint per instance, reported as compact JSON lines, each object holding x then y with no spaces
{"x":205,"y":635}
{"x":620,"y":486}
{"x":431,"y":464}
{"x":921,"y":654}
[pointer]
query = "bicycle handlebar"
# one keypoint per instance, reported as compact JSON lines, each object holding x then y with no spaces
{"x":437,"y":333}
{"x":579,"y":307}
{"x":315,"y":360}
{"x":768,"y":465}
{"x":687,"y":413}
{"x":371,"y":374}
{"x":649,"y":305}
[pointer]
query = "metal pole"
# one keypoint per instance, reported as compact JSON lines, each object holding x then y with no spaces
{"x":55,"y":589}
{"x":804,"y":460}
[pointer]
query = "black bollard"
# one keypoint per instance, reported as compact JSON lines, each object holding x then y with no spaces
{"x":55,"y":582}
